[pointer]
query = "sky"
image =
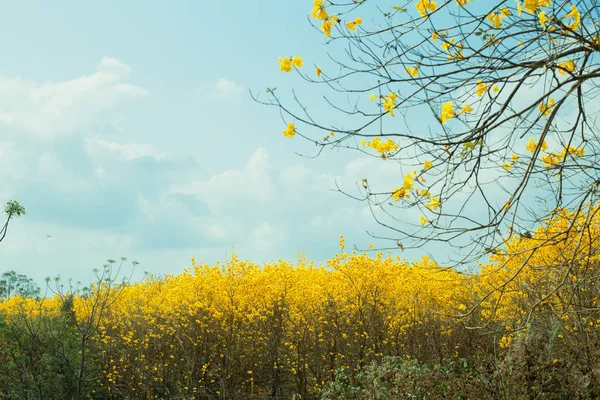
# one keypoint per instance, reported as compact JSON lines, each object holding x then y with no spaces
{"x":128,"y":130}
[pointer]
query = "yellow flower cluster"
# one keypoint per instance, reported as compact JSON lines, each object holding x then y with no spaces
{"x":285,"y":64}
{"x":320,"y":13}
{"x":545,"y":108}
{"x":425,"y":7}
{"x":495,"y":18}
{"x":553,"y":159}
{"x":389,"y":103}
{"x":383,"y":147}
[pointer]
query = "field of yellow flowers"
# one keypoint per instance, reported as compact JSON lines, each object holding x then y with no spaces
{"x":242,"y":330}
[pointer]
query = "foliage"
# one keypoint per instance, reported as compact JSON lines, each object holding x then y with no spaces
{"x":360,"y":326}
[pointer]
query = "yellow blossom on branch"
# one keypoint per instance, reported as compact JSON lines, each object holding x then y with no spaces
{"x":383,"y":147}
{"x":400,"y":193}
{"x":543,"y":19}
{"x":290,"y":131}
{"x":412,"y":71}
{"x":318,"y":11}
{"x":531,"y":145}
{"x":447,"y":112}
{"x":481,"y":88}
{"x":297,"y":61}
{"x":409,"y":181}
{"x":433,"y":204}
{"x":424,"y":7}
{"x":576,"y":15}
{"x":466,"y":109}
{"x":545,"y":108}
{"x":328,"y":24}
{"x":565,"y":66}
{"x":285,"y":64}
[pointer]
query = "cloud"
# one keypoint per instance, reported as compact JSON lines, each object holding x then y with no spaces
{"x":13,"y":169}
{"x":227,"y":191}
{"x":126,"y":152}
{"x":50,"y":109}
{"x":224,"y":88}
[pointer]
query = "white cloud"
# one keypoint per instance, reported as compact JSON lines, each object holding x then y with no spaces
{"x":126,"y":152}
{"x":232,"y":188}
{"x":225,"y":88}
{"x":50,"y":109}
{"x":267,"y":237}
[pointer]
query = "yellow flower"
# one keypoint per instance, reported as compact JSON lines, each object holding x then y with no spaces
{"x":466,"y":109}
{"x":327,"y":25}
{"x":507,"y":166}
{"x":446,"y":45}
{"x":564,"y":67}
{"x":481,"y":88}
{"x":434,"y":36}
{"x":318,"y":71}
{"x":433,"y":204}
{"x":372,"y":97}
{"x":576,"y":15}
{"x":399,"y":193}
{"x":427,"y":165}
{"x":514,"y":157}
{"x":389,"y":103}
{"x":290,"y":131}
{"x":423,"y":220}
{"x":495,"y":19}
{"x":285,"y":64}
{"x":363,"y":142}
{"x":531,"y":6}
{"x":318,"y":11}
{"x":496,"y":89}
{"x":409,"y":181}
{"x":531,"y":145}
{"x":426,"y":6}
{"x":447,"y":112}
{"x":353,"y":24}
{"x":383,"y":147}
{"x":519,"y":8}
{"x":543,"y":19}
{"x":331,"y":134}
{"x":297,"y":61}
{"x":545,"y":107}
{"x":412,"y":71}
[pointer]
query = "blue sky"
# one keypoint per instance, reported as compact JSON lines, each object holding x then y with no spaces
{"x":127,"y":130}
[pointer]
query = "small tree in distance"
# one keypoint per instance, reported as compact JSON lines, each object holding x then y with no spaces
{"x":12,"y":209}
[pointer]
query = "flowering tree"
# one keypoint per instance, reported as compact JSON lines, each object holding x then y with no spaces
{"x":488,"y":107}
